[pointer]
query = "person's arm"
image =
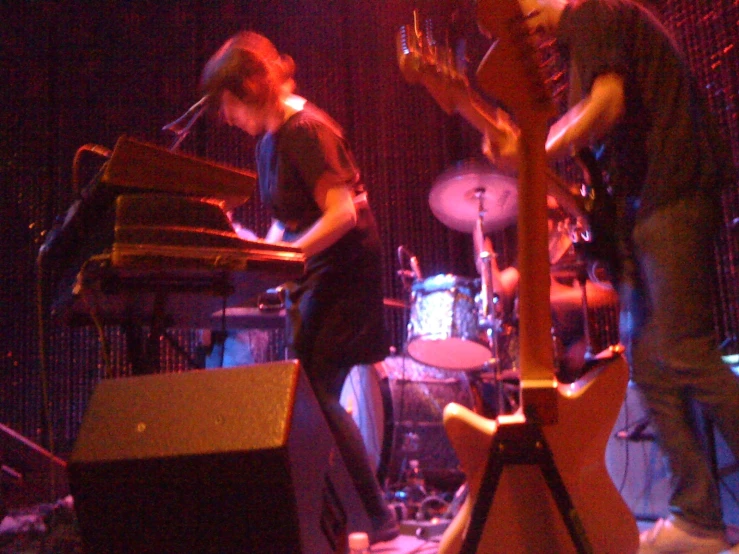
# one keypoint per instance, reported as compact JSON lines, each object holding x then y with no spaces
{"x":276,"y":231}
{"x":504,"y":281}
{"x":590,"y":119}
{"x":339,"y":216}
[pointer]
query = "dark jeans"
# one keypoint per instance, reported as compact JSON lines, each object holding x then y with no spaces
{"x":667,"y":327}
{"x":327,"y":383}
{"x":327,"y":378}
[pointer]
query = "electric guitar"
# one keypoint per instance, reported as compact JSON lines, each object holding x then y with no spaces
{"x":575,"y":420}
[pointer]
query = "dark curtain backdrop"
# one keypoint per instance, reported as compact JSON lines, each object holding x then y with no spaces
{"x":76,"y":74}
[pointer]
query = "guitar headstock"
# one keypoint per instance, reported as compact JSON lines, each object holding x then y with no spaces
{"x":423,"y":60}
{"x":510,"y":71}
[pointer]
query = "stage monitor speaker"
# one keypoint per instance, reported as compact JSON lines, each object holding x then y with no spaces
{"x":211,"y":461}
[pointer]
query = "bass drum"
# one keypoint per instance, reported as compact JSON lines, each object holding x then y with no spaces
{"x":398,"y":406}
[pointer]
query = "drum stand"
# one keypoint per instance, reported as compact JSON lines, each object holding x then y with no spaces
{"x":582,"y":279}
{"x":487,"y":319}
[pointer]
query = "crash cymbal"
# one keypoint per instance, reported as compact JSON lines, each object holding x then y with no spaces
{"x":456,"y":194}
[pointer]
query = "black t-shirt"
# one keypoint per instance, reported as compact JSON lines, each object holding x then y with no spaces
{"x":337,"y":314}
{"x":666,"y":146}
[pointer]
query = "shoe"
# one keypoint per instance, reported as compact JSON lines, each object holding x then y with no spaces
{"x":385,"y":530}
{"x":677,"y":536}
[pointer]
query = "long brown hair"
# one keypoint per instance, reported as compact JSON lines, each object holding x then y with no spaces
{"x":249,"y":66}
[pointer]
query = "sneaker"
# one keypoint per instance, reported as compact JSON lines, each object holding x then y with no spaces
{"x":677,"y":536}
{"x":385,"y":530}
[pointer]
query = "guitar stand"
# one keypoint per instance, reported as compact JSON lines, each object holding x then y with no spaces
{"x":522,"y":444}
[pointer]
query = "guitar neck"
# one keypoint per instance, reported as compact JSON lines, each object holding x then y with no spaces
{"x":535,"y":321}
{"x":510,"y":72}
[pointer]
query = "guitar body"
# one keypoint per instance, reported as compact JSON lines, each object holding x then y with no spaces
{"x":523,"y":517}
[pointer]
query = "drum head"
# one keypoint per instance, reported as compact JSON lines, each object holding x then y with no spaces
{"x":452,"y":353}
{"x":398,"y":406}
{"x":444,"y":330}
{"x":364,"y":396}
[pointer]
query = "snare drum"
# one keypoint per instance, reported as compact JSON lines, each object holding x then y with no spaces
{"x":398,"y":406}
{"x":444,"y":330}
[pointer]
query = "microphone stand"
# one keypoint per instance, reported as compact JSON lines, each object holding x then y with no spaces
{"x":190,"y":117}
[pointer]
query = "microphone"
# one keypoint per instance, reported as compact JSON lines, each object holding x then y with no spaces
{"x":178,"y":125}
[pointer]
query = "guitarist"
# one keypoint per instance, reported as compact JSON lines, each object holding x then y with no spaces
{"x":632,"y":89}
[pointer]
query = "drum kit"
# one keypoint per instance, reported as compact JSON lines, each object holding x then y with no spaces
{"x":454,"y":323}
{"x":460,"y":338}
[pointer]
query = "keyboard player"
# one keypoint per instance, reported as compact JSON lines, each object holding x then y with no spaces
{"x":308,"y":178}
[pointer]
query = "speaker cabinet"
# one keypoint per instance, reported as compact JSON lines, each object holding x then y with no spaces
{"x":225,"y":460}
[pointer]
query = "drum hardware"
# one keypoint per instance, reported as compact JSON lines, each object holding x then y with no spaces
{"x":453,"y":321}
{"x":411,"y":272}
{"x":447,"y":328}
{"x":397,"y":406}
{"x":582,"y":279}
{"x":488,"y":318}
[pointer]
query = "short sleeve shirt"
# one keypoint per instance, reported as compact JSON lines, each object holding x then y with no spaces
{"x":338,"y":314}
{"x":662,"y":149}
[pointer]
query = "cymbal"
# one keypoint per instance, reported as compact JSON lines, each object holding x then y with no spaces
{"x":456,"y":193}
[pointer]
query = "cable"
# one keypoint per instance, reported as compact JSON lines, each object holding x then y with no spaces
{"x":92,"y":148}
{"x":43,"y":369}
{"x":82,"y":291}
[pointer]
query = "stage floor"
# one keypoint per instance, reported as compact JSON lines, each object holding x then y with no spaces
{"x":51,"y":528}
